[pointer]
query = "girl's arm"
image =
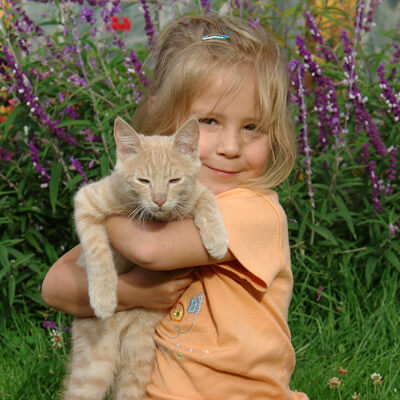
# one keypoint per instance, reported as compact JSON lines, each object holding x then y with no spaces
{"x":65,"y":287}
{"x":159,"y":246}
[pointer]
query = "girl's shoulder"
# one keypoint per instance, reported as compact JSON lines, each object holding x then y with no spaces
{"x":254,"y":199}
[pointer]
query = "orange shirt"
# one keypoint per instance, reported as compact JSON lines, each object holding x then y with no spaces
{"x":227,"y":337}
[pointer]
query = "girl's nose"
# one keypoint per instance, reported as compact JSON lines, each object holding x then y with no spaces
{"x":229,"y":143}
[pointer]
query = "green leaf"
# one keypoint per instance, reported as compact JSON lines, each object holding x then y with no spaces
{"x":4,"y":261}
{"x":11,"y":290}
{"x":370,"y":269}
{"x":326,"y":233}
{"x":50,"y":252}
{"x":23,"y":260}
{"x":104,"y":165}
{"x":54,"y":184}
{"x":32,"y":240}
{"x":75,"y":122}
{"x":392,"y":258}
{"x":345,"y":213}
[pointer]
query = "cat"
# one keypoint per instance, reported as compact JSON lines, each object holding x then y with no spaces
{"x":155,"y":177}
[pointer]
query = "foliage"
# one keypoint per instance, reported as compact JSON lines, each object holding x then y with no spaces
{"x":66,"y":78}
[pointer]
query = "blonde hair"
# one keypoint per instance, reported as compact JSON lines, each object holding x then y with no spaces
{"x":184,"y":63}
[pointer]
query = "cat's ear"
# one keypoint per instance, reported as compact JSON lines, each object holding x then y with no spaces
{"x":186,"y":139}
{"x":126,"y":138}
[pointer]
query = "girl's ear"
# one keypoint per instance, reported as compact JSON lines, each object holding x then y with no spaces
{"x":186,"y":139}
{"x":126,"y":138}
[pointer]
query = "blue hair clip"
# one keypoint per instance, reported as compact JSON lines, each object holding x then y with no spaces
{"x":208,"y":37}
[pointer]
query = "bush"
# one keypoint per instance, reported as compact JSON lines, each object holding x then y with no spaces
{"x":67,"y":77}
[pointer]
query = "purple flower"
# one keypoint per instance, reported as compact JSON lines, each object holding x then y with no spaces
{"x":22,"y":85}
{"x":319,"y":292}
{"x":387,"y":94}
{"x":316,"y":34}
{"x":5,"y":155}
{"x":305,"y":148}
{"x":367,"y":21}
{"x":77,"y":80}
{"x":362,"y":116}
{"x":49,"y":325}
{"x":326,"y":104}
{"x":43,"y":175}
{"x":205,"y":5}
{"x":75,"y":164}
{"x":87,"y":15}
{"x":89,"y":136}
{"x":149,"y":26}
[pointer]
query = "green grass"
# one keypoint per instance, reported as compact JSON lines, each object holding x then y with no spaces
{"x":348,"y":327}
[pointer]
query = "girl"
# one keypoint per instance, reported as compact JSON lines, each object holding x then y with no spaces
{"x":227,"y":335}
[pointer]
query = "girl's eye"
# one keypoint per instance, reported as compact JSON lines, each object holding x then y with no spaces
{"x":144,"y":181}
{"x":175,"y":180}
{"x":208,"y":121}
{"x":250,"y":127}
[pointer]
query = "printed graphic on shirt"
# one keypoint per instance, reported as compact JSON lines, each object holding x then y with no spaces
{"x":195,"y":304}
{"x":177,"y":312}
{"x":184,"y":316}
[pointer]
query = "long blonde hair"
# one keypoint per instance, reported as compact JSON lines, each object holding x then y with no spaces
{"x":184,"y":63}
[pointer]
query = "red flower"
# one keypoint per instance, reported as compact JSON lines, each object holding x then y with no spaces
{"x":118,"y":26}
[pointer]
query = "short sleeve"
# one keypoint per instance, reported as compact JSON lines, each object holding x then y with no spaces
{"x":254,"y":225}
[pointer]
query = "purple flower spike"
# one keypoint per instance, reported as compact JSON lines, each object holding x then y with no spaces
{"x":149,"y":26}
{"x":43,"y":175}
{"x":305,"y":148}
{"x":326,"y":104}
{"x":316,"y":34}
{"x":387,"y":94}
{"x":75,"y":164}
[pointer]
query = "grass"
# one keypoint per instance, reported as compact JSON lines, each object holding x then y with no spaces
{"x":348,"y":327}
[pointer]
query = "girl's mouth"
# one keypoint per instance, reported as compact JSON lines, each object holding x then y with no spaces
{"x":221,"y":172}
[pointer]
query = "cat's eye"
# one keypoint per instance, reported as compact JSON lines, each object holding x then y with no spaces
{"x":175,"y":180}
{"x":144,"y":181}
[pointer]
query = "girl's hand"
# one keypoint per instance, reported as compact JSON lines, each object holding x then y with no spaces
{"x":152,"y":289}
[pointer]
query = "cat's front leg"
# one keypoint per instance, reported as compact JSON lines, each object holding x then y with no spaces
{"x":97,"y":258}
{"x":211,"y":226}
{"x":103,"y":284}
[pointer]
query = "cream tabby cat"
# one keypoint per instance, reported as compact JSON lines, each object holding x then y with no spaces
{"x":155,"y":177}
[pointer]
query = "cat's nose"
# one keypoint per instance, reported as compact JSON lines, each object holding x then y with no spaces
{"x":159,"y":199}
{"x":159,"y":202}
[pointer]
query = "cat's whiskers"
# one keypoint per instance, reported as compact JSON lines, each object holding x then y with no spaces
{"x":180,"y":212}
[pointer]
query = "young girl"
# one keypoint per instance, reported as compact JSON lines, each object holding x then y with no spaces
{"x":227,"y":335}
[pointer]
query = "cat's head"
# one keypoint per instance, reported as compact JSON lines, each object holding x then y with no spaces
{"x":160,"y":170}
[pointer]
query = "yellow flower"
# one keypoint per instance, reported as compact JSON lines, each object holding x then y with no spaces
{"x":4,"y":4}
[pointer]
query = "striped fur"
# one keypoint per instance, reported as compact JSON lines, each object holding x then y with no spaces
{"x":154,"y":178}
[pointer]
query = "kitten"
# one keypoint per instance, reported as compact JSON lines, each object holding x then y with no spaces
{"x":155,"y":178}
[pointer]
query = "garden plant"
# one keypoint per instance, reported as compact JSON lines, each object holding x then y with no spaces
{"x":65,"y":76}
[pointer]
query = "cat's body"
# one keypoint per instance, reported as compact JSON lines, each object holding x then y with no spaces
{"x":155,"y":177}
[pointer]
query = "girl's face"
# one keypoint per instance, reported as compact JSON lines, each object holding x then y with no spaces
{"x":231,"y":150}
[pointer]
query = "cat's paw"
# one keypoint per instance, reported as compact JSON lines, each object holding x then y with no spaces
{"x":103,"y":300}
{"x":216,"y":244}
